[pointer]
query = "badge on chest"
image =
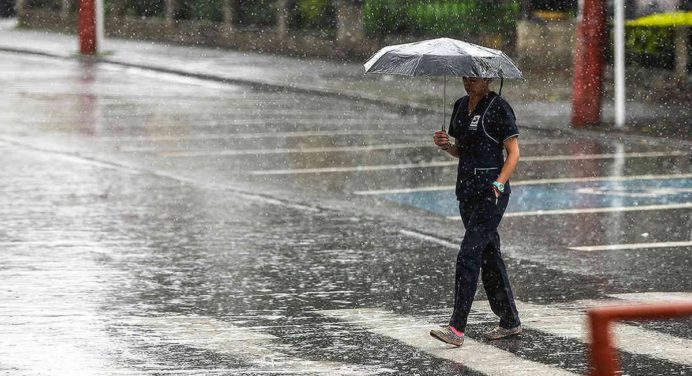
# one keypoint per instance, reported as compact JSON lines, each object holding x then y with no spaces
{"x":474,"y":123}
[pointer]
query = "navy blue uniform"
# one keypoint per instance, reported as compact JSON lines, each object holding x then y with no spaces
{"x":479,"y":138}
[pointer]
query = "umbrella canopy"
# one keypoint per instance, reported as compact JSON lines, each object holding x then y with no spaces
{"x":442,"y":57}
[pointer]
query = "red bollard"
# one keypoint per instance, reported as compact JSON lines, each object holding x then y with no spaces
{"x":604,"y":361}
{"x":587,"y":88}
{"x":86,"y":24}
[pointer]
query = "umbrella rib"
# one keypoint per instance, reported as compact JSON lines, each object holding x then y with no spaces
{"x":418,"y":62}
{"x":508,"y":60}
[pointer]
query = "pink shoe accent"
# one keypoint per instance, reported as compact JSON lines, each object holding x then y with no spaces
{"x":460,"y":334}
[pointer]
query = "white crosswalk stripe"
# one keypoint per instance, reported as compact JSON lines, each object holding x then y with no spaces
{"x":565,"y":320}
{"x":260,"y":349}
{"x":571,"y":323}
{"x":655,"y":297}
{"x":476,"y":355}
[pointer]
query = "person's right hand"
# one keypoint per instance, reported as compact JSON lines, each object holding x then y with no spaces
{"x":441,"y":139}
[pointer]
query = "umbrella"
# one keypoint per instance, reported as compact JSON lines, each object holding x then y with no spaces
{"x":443,"y":57}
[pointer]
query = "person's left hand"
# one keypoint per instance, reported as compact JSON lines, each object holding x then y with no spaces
{"x":497,"y":192}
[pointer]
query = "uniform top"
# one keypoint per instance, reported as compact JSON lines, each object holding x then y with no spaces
{"x":480,"y":135}
{"x":498,"y":115}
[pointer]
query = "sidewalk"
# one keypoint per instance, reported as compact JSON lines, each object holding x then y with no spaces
{"x":541,"y":101}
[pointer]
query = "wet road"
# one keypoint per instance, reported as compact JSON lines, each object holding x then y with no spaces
{"x":155,"y":224}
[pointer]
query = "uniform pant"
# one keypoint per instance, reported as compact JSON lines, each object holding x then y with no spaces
{"x":480,"y":254}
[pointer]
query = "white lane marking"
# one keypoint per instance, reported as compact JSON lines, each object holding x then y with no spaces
{"x":620,"y":191}
{"x":96,"y":163}
{"x":274,"y":201}
{"x":320,"y":170}
{"x":260,"y":349}
{"x":71,"y":157}
{"x":403,"y":166}
{"x":256,"y":121}
{"x":76,"y":243}
{"x":249,"y":196}
{"x":599,"y":210}
{"x":414,"y":332}
{"x":618,"y":247}
{"x":655,"y":297}
{"x":571,"y":323}
{"x":541,"y":158}
{"x":592,"y":210}
{"x":152,"y":139}
{"x":334,"y":149}
{"x":195,"y":153}
{"x":430,"y":238}
{"x":408,"y":190}
{"x":177,"y":371}
{"x":137,"y":171}
{"x":257,"y":135}
{"x":531,"y":182}
{"x":175,"y":78}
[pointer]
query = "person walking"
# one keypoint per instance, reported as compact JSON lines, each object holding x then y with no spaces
{"x":484,"y":125}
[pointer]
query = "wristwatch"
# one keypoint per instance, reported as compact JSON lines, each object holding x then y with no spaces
{"x":446,"y":146}
{"x":500,"y":187}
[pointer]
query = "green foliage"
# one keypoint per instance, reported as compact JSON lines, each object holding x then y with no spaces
{"x":317,"y":15}
{"x":145,"y":8}
{"x":132,"y":8}
{"x":43,"y":4}
{"x":554,"y":5}
{"x":381,"y":17}
{"x":438,"y":17}
{"x":245,"y":12}
{"x":386,"y":16}
{"x":209,"y":10}
{"x":312,"y":9}
{"x":650,"y":46}
{"x":255,"y":12}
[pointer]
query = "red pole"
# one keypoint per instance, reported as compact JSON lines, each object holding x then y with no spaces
{"x":87,"y":27}
{"x":603,"y":358}
{"x":588,"y":65}
{"x":604,"y":361}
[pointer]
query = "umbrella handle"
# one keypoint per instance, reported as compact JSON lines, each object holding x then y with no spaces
{"x":444,"y":103}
